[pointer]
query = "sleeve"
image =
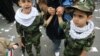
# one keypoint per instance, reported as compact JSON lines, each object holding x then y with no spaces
{"x":19,"y":29}
{"x":89,"y":43}
{"x":64,"y":25}
{"x":41,"y":20}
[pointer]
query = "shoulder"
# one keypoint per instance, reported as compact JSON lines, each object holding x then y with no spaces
{"x":17,"y":24}
{"x":39,"y":16}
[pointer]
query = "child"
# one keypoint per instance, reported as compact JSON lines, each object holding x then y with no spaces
{"x":6,"y":44}
{"x":54,"y":33}
{"x":81,"y":34}
{"x":28,"y":21}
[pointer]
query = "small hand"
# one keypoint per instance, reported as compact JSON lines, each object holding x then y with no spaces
{"x":60,"y":11}
{"x":15,"y":46}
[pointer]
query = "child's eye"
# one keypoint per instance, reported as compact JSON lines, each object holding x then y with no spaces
{"x":80,"y":16}
{"x":29,"y":0}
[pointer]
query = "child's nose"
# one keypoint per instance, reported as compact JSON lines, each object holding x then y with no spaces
{"x":75,"y":19}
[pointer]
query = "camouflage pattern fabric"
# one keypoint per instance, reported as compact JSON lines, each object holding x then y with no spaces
{"x":74,"y":47}
{"x":31,"y":35}
{"x":85,"y":5}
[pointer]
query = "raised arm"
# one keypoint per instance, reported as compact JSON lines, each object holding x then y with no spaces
{"x":60,"y":11}
{"x":51,"y":11}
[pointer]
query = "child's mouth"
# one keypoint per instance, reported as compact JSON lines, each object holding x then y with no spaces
{"x":27,"y":7}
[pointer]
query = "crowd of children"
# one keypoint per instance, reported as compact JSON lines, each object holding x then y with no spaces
{"x":78,"y":32}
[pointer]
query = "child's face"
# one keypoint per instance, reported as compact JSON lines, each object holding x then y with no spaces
{"x":25,"y":4}
{"x":80,"y":18}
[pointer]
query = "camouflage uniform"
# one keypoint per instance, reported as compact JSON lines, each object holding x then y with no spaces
{"x":31,"y":35}
{"x":74,"y":47}
{"x":4,"y":44}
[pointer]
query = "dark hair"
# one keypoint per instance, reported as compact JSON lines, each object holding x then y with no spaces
{"x":87,"y":13}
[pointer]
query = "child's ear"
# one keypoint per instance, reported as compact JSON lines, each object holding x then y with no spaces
{"x":90,"y":17}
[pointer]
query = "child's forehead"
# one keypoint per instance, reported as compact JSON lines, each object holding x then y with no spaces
{"x":79,"y":12}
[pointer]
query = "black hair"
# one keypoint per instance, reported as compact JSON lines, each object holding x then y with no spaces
{"x":86,"y":12}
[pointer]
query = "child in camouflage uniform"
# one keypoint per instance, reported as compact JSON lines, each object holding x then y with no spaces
{"x":28,"y":21}
{"x":6,"y":44}
{"x":80,"y":37}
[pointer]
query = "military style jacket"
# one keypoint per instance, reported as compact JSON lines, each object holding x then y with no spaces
{"x":85,"y":43}
{"x":32,"y":32}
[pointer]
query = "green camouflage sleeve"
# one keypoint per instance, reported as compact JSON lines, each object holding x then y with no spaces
{"x":89,"y":43}
{"x":19,"y":29}
{"x":64,"y":25}
{"x":41,"y":20}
